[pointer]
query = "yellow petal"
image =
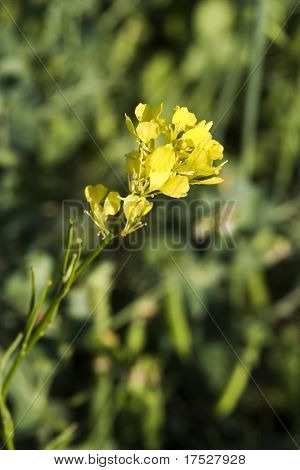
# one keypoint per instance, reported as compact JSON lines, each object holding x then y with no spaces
{"x":112,"y":203}
{"x":213,"y":180}
{"x":207,"y":125}
{"x":159,"y":165}
{"x":133,"y":162}
{"x":215,"y":150}
{"x":146,"y":207}
{"x":176,"y":186}
{"x":199,"y":135}
{"x":147,"y":131}
{"x":98,"y":213}
{"x":158,"y":179}
{"x":219,"y":167}
{"x":129,"y":205}
{"x":183,"y":118}
{"x":144,"y":113}
{"x":157,"y":110}
{"x":200,"y":163}
{"x":162,"y":159}
{"x":99,"y":217}
{"x":95,"y":193}
{"x":136,"y":207}
{"x":197,"y":164}
{"x":130,"y":125}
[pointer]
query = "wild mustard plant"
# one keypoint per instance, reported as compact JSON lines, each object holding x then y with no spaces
{"x":168,"y":159}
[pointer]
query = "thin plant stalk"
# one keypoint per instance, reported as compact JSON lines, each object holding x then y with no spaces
{"x":70,"y":272}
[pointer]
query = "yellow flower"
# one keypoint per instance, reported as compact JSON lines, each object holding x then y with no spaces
{"x":199,"y":162}
{"x":133,"y":163}
{"x":169,"y":159}
{"x":99,"y":214}
{"x":150,"y":125}
{"x":112,"y":203}
{"x":95,"y":194}
{"x":130,"y":126}
{"x":147,"y":131}
{"x":183,"y":119}
{"x":198,"y":135}
{"x":187,"y":158}
{"x":135,"y":207}
{"x":215,"y":150}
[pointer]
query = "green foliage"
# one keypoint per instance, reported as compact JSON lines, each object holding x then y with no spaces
{"x":135,"y":360}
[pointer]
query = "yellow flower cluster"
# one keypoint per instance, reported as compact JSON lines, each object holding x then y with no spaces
{"x":170,"y":158}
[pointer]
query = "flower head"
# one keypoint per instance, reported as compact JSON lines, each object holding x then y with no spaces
{"x":169,"y":159}
{"x":186,"y":156}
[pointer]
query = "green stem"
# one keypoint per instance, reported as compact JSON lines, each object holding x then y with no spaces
{"x":11,"y":372}
{"x":89,"y":259}
{"x":6,"y":423}
{"x":33,"y":315}
{"x":69,"y":244}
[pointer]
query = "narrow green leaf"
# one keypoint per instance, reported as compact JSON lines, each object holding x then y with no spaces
{"x":9,"y":352}
{"x":63,"y":439}
{"x":34,"y":313}
{"x":241,"y":374}
{"x":69,"y":245}
{"x":70,"y":268}
{"x":32,"y":297}
{"x":177,"y":320}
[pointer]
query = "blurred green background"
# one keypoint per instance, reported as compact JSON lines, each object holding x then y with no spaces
{"x":151,"y":369}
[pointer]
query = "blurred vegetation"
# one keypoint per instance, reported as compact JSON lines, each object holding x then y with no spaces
{"x":151,"y":367}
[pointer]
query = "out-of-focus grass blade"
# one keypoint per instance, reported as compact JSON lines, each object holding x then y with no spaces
{"x":32,"y":297}
{"x":136,"y":336}
{"x":34,"y":312}
{"x":177,"y":320}
{"x":254,"y":89}
{"x":289,"y":153}
{"x":240,"y":376}
{"x":63,"y":439}
{"x":102,"y":410}
{"x":99,"y":286}
{"x":9,"y":352}
{"x":229,"y":91}
{"x":259,"y":294}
